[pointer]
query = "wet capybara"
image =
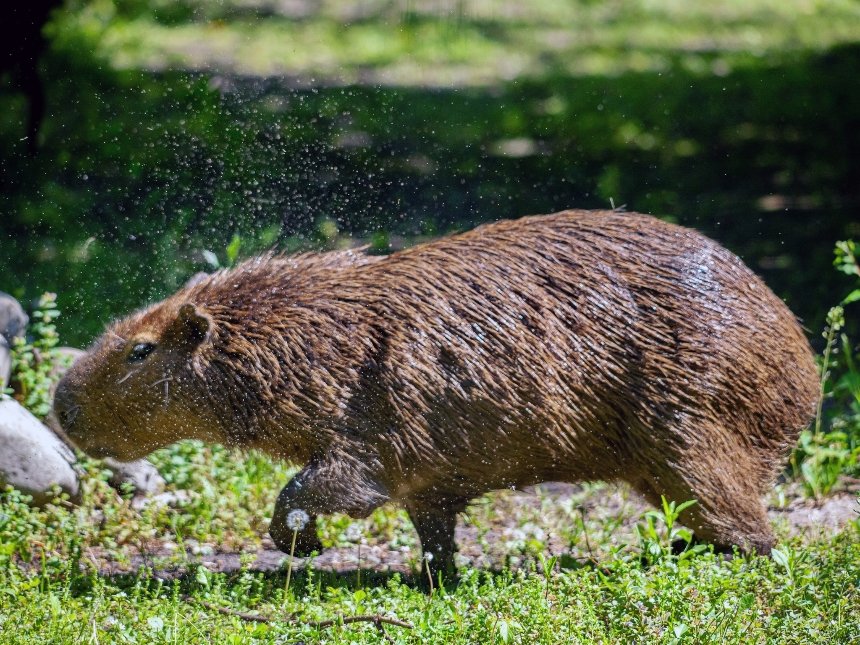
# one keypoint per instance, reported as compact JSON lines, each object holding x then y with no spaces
{"x":575,"y":346}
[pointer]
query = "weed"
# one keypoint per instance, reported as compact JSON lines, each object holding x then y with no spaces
{"x":35,"y":362}
{"x":661,"y":532}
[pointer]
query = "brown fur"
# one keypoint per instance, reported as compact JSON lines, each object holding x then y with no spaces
{"x":579,"y":345}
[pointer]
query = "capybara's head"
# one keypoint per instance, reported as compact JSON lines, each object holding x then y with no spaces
{"x":137,"y":388}
{"x":221,"y":360}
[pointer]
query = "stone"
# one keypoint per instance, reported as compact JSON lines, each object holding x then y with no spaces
{"x":13,"y":320}
{"x":141,"y":475}
{"x":32,"y":458}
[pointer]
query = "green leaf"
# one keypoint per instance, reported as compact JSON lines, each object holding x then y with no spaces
{"x":233,"y":249}
{"x":504,"y":631}
{"x":202,"y":577}
{"x":780,"y":557}
{"x":854,"y":296}
{"x":684,"y":506}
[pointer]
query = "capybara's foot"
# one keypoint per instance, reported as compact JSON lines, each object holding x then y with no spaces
{"x":306,"y":539}
{"x":306,"y":545}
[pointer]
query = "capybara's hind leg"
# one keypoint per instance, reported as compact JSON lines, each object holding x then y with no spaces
{"x":728,"y":511}
{"x":435,"y":520}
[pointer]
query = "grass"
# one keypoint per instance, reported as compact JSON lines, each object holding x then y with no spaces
{"x":705,"y":601}
{"x":55,"y":589}
{"x":468,"y":43}
{"x":723,"y":114}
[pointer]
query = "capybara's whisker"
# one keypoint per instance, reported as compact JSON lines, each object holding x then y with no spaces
{"x":128,"y":375}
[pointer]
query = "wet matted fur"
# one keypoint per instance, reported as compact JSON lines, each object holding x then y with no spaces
{"x":579,"y":345}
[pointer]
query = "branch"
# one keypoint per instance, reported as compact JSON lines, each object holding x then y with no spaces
{"x":376,"y":619}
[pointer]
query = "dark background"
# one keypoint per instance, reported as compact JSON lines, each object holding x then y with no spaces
{"x":143,"y":162}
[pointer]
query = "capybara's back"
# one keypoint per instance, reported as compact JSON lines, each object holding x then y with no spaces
{"x":580,"y":345}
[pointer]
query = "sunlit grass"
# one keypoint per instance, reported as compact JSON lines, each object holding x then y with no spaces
{"x":465,"y":43}
{"x":601,"y":591}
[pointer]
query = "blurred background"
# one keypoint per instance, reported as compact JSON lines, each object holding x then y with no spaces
{"x":141,"y":141}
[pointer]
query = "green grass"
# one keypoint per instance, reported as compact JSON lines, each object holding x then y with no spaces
{"x":705,"y":601}
{"x":472,"y":42}
{"x":52,"y":591}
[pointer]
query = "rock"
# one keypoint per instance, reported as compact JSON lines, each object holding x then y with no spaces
{"x":5,"y":363}
{"x":141,"y":475}
{"x":13,"y":320}
{"x":32,"y":458}
{"x":169,"y":499}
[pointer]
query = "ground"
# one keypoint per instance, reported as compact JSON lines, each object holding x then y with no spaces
{"x":501,"y":529}
{"x":552,"y":564}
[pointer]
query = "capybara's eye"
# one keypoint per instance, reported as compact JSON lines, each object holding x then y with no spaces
{"x":140,"y":352}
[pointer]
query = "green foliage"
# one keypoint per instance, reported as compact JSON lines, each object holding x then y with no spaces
{"x":35,"y":362}
{"x":661,"y":533}
{"x":807,"y":593}
{"x":831,"y":448}
{"x":146,"y":161}
{"x":823,"y":458}
{"x":231,"y":254}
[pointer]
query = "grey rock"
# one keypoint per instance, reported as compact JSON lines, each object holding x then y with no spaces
{"x":32,"y":458}
{"x":169,"y":499}
{"x":13,"y":320}
{"x":5,"y":363}
{"x":141,"y":475}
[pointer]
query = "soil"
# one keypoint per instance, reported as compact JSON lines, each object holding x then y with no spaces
{"x":497,"y":530}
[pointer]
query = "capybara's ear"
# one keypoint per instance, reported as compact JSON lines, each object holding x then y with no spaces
{"x":188,"y":330}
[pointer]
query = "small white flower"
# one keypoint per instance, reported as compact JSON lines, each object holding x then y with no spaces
{"x":428,"y":556}
{"x":297,"y":519}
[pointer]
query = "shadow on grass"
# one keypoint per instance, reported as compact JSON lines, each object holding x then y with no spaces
{"x":140,"y":172}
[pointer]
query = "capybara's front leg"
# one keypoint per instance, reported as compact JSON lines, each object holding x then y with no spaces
{"x":338,"y":483}
{"x":302,"y":524}
{"x":435,"y":520}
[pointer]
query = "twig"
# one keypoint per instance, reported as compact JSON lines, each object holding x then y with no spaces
{"x":376,"y":619}
{"x":254,"y":618}
{"x":585,"y":532}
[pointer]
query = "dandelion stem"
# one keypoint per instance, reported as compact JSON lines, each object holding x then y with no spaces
{"x":429,"y":574}
{"x":290,"y":563}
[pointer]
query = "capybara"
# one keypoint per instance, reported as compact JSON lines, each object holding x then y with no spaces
{"x":575,"y":346}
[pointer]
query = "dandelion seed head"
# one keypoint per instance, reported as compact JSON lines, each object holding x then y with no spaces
{"x":297,"y":519}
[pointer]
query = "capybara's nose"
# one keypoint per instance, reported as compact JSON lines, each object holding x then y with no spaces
{"x":66,"y":406}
